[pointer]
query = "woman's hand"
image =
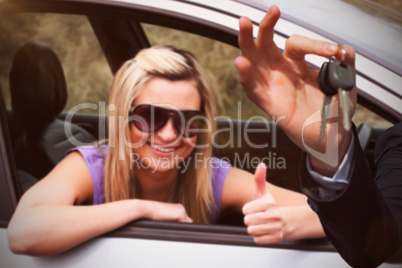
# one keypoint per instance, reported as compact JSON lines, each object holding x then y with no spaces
{"x":160,"y":211}
{"x":286,"y":89}
{"x":263,"y":218}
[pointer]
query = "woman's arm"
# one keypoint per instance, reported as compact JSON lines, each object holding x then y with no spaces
{"x":271,"y":213}
{"x":47,"y":222}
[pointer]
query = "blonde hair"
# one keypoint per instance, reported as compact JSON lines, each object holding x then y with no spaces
{"x":193,"y":186}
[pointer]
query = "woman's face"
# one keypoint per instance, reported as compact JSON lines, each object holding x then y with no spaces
{"x":164,"y":149}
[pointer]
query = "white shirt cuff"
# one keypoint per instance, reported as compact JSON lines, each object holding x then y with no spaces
{"x":340,"y":179}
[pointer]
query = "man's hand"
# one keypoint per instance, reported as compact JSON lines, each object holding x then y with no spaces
{"x":285,"y":88}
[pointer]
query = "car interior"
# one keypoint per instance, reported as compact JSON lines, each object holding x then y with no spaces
{"x":38,"y":94}
{"x":36,"y":120}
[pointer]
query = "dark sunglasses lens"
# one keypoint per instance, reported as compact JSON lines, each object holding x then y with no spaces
{"x":148,"y":118}
{"x":189,"y":123}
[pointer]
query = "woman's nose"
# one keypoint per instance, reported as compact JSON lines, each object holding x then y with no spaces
{"x":168,"y":132}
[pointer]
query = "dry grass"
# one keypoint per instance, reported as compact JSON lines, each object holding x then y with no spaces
{"x":89,"y":76}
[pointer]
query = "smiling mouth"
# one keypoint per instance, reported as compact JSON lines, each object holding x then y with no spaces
{"x":159,"y":148}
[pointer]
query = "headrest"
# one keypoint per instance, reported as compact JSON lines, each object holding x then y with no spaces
{"x":37,"y":85}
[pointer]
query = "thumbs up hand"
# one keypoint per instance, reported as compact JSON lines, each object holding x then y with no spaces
{"x":262,"y":216}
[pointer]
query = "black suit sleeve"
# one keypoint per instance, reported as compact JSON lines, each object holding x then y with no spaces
{"x":364,"y":219}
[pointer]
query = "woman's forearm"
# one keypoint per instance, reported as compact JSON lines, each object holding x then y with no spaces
{"x":50,"y":229}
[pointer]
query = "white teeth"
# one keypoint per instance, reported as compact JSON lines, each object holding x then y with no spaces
{"x":165,"y":150}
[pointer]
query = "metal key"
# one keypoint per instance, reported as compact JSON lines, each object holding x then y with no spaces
{"x":342,"y":77}
{"x":329,"y":91}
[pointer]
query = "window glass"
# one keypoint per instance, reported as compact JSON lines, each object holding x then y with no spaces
{"x":88,"y":75}
{"x":217,"y":58}
{"x":363,"y":115}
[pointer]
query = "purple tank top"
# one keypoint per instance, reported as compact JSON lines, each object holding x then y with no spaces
{"x":95,"y":156}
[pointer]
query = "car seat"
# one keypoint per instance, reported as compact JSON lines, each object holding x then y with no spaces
{"x":38,"y":95}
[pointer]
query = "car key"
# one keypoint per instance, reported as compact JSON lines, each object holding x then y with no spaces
{"x":329,"y":91}
{"x":342,"y":77}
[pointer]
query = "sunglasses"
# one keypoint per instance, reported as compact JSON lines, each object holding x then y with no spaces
{"x":150,"y":118}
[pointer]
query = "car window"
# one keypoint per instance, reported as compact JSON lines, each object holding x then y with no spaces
{"x":364,"y":115}
{"x":87,"y":73}
{"x":89,"y":77}
{"x":217,"y":58}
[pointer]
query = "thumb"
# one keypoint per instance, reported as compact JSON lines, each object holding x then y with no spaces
{"x":261,"y":189}
{"x":259,"y":178}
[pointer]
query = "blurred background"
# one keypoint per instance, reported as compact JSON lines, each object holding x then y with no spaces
{"x":89,"y":79}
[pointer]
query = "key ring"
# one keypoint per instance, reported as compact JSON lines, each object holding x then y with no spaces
{"x":343,"y":55}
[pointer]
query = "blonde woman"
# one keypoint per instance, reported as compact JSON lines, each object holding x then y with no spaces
{"x":156,"y":165}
